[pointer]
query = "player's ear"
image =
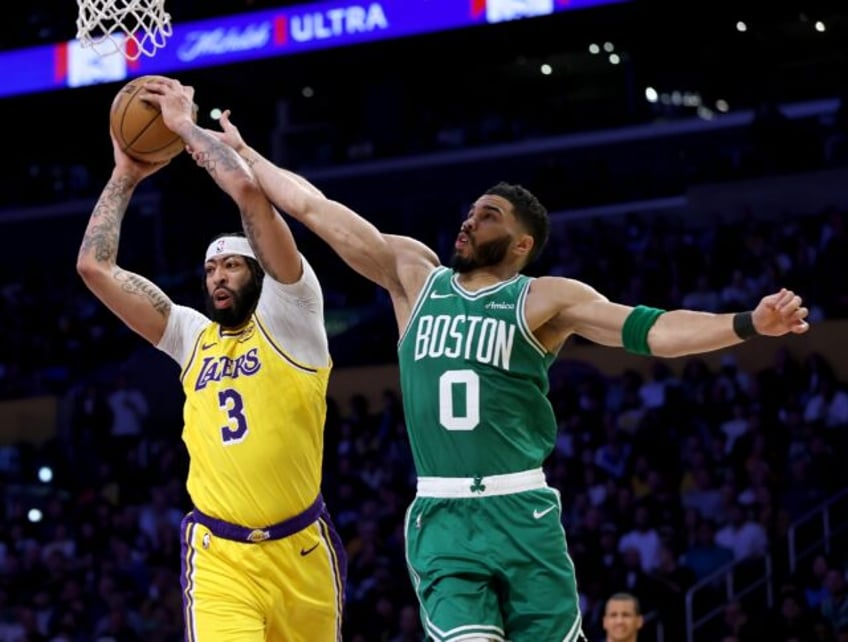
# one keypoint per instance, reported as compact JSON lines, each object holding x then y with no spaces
{"x":524,"y":244}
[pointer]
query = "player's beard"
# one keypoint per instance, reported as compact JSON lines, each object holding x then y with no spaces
{"x":241,"y":307}
{"x":484,"y":255}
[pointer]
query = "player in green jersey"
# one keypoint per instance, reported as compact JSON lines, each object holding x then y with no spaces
{"x":485,"y":544}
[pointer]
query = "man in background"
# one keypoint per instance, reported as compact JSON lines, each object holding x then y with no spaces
{"x":622,"y":618}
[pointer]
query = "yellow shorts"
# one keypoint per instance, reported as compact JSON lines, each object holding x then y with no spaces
{"x":243,"y":585}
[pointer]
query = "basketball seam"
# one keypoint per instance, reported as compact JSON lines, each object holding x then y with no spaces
{"x":141,"y":133}
{"x":127,"y":144}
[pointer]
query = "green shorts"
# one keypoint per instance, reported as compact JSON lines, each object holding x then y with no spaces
{"x":495,"y":566}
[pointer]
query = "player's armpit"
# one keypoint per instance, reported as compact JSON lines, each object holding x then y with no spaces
{"x":559,"y":307}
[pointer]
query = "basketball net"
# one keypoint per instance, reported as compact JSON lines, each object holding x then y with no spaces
{"x":130,"y":27}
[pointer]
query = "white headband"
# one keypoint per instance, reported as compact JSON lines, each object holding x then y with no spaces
{"x":229,"y":245}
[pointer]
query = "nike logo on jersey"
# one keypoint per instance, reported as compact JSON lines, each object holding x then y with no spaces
{"x":436,"y":295}
{"x":538,"y":514}
{"x":306,"y":551}
{"x":206,"y":346}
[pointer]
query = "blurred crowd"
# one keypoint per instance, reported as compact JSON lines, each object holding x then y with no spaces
{"x":59,"y":335}
{"x":743,"y":455}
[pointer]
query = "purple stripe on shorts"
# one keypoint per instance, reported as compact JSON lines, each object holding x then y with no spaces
{"x":236,"y":533}
{"x":338,"y":548}
{"x":339,"y":565}
{"x":187,"y":575}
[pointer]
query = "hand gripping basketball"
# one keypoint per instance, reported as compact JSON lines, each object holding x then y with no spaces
{"x":138,"y":126}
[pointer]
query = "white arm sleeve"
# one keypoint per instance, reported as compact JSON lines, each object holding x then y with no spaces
{"x":184,"y":324}
{"x":294,"y":315}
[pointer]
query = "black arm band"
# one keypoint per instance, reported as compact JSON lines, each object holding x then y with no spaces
{"x":743,"y":326}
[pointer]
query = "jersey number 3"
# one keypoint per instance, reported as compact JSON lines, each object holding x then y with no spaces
{"x":231,"y":402}
{"x":454,"y":385}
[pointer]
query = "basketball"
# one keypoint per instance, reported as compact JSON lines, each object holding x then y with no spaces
{"x":138,"y":125}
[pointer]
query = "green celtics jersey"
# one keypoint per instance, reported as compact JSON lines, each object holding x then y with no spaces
{"x":474,"y":381}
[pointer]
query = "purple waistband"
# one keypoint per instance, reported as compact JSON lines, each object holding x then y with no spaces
{"x":225,"y":530}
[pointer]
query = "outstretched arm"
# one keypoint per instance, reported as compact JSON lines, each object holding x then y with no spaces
{"x":560,"y":307}
{"x":267,"y":231}
{"x":398,"y":264}
{"x":135,"y":300}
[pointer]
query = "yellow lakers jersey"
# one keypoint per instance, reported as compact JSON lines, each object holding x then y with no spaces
{"x":253,"y":426}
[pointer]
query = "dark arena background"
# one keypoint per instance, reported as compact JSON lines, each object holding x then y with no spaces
{"x":691,"y":155}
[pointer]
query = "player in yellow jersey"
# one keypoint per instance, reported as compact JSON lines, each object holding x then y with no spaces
{"x":261,"y":560}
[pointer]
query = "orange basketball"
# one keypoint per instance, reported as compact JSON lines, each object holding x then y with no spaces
{"x":138,"y":125}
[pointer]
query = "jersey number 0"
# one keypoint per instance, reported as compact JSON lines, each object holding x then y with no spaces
{"x":459,"y":381}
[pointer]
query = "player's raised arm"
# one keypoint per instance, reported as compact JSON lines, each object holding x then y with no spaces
{"x":267,"y":231}
{"x":395,"y":263}
{"x":134,"y":299}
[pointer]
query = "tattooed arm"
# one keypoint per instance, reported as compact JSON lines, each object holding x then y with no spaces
{"x":267,"y":231}
{"x":135,"y":300}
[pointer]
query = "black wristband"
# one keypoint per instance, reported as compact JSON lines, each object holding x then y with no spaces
{"x":743,"y":326}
